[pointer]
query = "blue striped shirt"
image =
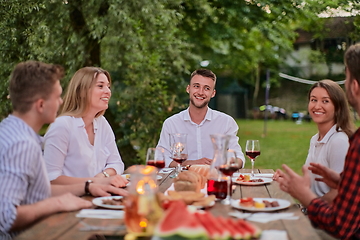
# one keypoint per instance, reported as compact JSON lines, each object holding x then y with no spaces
{"x":23,"y":178}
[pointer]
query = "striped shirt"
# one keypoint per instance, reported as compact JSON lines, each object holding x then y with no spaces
{"x":23,"y":178}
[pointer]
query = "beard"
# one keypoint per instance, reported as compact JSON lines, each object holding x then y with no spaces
{"x":202,"y":105}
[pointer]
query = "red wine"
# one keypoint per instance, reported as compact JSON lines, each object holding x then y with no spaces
{"x":157,"y":163}
{"x":252,"y":154}
{"x":179,"y":160}
{"x":228,"y":170}
{"x":217,"y":188}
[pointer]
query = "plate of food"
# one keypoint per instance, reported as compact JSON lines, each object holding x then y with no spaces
{"x":113,"y":202}
{"x":260,"y":204}
{"x":251,"y":181}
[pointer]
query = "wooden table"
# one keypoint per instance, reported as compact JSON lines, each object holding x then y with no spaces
{"x":65,"y":226}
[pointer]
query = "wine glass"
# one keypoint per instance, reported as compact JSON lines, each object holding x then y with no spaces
{"x":178,"y":150}
{"x":252,"y":151}
{"x":155,"y":157}
{"x":228,"y":166}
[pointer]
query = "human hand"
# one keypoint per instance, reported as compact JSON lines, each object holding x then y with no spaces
{"x":296,"y":185}
{"x":276,"y":175}
{"x":328,"y":176}
{"x":204,"y":161}
{"x":116,"y":181}
{"x":69,"y":202}
{"x":102,"y":190}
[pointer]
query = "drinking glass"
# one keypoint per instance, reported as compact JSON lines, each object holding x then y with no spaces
{"x":178,"y":150}
{"x":155,"y":157}
{"x":229,"y":165}
{"x":252,"y":151}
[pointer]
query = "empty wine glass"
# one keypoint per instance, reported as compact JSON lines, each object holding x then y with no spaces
{"x":155,"y":157}
{"x":178,"y":150}
{"x":252,"y":151}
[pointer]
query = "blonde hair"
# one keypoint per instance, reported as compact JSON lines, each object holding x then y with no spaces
{"x":77,"y":96}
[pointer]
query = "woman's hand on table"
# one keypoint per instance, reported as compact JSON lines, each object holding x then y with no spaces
{"x":329,"y":176}
{"x":102,"y":190}
{"x":116,"y":181}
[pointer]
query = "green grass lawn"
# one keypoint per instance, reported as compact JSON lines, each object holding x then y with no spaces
{"x":284,"y":142}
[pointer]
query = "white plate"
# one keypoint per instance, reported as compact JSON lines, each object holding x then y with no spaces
{"x":201,"y":207}
{"x":282,"y":205}
{"x":264,"y":175}
{"x":265,"y":180}
{"x":99,"y":202}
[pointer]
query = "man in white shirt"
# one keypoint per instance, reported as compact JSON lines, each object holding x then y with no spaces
{"x":199,"y":121}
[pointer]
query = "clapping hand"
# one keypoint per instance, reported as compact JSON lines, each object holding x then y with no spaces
{"x":328,"y":176}
{"x":296,"y":185}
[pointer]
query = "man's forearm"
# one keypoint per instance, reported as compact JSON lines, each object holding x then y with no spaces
{"x":28,"y":214}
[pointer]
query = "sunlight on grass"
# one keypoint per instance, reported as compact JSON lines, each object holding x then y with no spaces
{"x":285,"y":142}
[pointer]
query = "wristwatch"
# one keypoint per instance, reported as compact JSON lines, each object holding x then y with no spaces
{"x":106,"y":174}
{"x":87,"y":184}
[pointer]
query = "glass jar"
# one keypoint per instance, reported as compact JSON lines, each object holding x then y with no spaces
{"x":142,"y":207}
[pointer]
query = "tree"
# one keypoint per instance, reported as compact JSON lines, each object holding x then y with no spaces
{"x":150,"y":47}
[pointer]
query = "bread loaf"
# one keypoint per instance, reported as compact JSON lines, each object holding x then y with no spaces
{"x":189,"y":181}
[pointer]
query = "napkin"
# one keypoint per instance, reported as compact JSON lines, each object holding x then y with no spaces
{"x":166,"y":170}
{"x":264,"y":217}
{"x":100,"y":213}
{"x":273,"y":235}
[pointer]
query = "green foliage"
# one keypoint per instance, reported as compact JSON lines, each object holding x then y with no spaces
{"x":150,"y":48}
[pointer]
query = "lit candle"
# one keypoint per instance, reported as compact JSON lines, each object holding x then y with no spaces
{"x":179,"y":147}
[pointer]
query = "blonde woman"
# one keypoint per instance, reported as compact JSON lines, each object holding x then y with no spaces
{"x":80,"y":145}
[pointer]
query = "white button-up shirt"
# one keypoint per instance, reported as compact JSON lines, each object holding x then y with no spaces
{"x":67,"y":150}
{"x":199,"y":143}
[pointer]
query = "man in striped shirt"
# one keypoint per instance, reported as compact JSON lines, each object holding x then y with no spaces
{"x":25,"y":191}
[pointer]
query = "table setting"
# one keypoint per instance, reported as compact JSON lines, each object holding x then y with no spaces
{"x":238,"y":209}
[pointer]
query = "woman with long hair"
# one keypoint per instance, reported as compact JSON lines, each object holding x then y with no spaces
{"x":80,"y":145}
{"x":329,"y":109}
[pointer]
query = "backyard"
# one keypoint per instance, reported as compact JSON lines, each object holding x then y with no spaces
{"x":285,"y":142}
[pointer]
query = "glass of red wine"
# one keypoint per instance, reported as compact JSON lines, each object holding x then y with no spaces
{"x":178,"y":150}
{"x":252,"y":151}
{"x":227,"y":167}
{"x":155,"y":157}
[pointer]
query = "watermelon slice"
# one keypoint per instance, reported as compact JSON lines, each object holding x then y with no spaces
{"x":234,"y":233}
{"x":213,"y":231}
{"x":178,"y":223}
{"x":243,"y":233}
{"x":254,"y":230}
